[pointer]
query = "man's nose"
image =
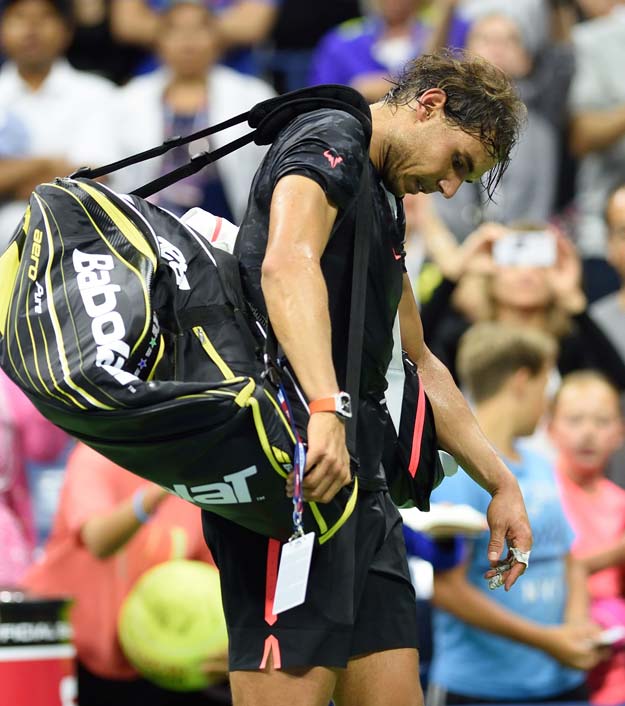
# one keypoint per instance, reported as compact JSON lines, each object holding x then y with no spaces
{"x":449,"y":186}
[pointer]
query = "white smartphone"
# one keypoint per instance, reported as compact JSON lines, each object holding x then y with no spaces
{"x":526,"y":249}
{"x":611,"y":636}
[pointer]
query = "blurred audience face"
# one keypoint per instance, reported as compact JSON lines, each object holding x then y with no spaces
{"x":33,"y":34}
{"x":187,"y":41}
{"x":615,"y":220}
{"x":497,"y":39}
{"x":586,"y":426}
{"x":524,"y":288}
{"x":397,"y":11}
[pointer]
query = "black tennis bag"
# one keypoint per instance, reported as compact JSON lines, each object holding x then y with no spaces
{"x":130,"y":331}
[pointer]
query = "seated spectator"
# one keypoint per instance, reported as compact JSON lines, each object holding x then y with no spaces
{"x":586,"y":427}
{"x":529,"y":644}
{"x":609,"y":311}
{"x":187,"y":93}
{"x":476,"y":287}
{"x":299,"y":27}
{"x":24,"y":436}
{"x":240,"y":25}
{"x":53,"y":118}
{"x":597,"y":136}
{"x":110,"y":528}
{"x":511,"y":35}
{"x":363,"y":53}
{"x":93,"y":47}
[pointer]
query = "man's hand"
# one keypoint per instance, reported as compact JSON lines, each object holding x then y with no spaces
{"x":327,"y":460}
{"x":508,"y":522}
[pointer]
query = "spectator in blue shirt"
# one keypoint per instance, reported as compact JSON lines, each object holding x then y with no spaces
{"x":366,"y":51}
{"x":532,"y":644}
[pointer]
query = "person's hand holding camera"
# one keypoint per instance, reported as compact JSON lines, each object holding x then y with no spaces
{"x":565,"y":277}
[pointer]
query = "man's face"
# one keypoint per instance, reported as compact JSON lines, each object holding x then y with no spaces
{"x":616,"y":231}
{"x":33,"y":34}
{"x":428,"y":153}
{"x":187,"y":40}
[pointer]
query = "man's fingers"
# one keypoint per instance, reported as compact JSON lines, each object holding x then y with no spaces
{"x":514,"y":573}
{"x":495,"y":545}
{"x":324,"y":482}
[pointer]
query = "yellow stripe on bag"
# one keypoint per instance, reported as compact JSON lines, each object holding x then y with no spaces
{"x":9,"y":264}
{"x":58,"y":331}
{"x":262,"y":437}
{"x":349,"y":508}
{"x":128,"y":265}
{"x":248,"y":390}
{"x":325,"y":532}
{"x":211,"y":351}
{"x":127,"y":227}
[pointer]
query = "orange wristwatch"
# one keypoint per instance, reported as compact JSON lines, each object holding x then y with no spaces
{"x":340,"y":404}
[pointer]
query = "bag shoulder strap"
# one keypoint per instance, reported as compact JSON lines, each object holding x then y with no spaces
{"x":267,"y":118}
{"x":362,"y":242}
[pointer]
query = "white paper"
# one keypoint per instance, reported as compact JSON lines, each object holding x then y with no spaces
{"x":395,"y":377}
{"x":293,"y":573}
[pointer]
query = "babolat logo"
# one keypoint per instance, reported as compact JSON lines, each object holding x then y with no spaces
{"x":176,"y":260}
{"x":35,"y":254}
{"x":99,"y":297}
{"x":233,"y":491}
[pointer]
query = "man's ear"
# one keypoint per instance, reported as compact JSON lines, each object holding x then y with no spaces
{"x":518,"y":381}
{"x":431,"y":101}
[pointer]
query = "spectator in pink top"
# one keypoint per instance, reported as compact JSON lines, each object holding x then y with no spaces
{"x":110,"y":528}
{"x":586,"y":427}
{"x":24,"y":436}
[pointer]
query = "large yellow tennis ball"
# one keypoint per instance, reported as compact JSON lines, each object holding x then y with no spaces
{"x":172,"y":622}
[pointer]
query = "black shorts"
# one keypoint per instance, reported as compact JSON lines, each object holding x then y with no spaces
{"x":359,"y":598}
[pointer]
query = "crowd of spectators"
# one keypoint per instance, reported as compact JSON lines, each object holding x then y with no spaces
{"x":536,"y":339}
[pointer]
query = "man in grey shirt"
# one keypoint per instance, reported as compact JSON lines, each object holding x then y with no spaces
{"x":597,"y":136}
{"x":609,"y":311}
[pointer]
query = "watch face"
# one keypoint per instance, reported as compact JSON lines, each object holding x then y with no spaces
{"x":344,"y":405}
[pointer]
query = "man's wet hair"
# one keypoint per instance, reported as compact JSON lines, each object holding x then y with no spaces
{"x":481,"y":101}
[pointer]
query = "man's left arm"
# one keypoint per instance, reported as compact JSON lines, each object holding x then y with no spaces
{"x":459,"y":434}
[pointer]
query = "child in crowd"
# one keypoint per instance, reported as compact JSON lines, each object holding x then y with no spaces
{"x":586,"y":427}
{"x":529,"y":644}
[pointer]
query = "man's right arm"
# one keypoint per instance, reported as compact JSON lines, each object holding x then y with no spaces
{"x":296,"y":296}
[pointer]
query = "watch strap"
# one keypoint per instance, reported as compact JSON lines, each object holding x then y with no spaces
{"x":325,"y":404}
